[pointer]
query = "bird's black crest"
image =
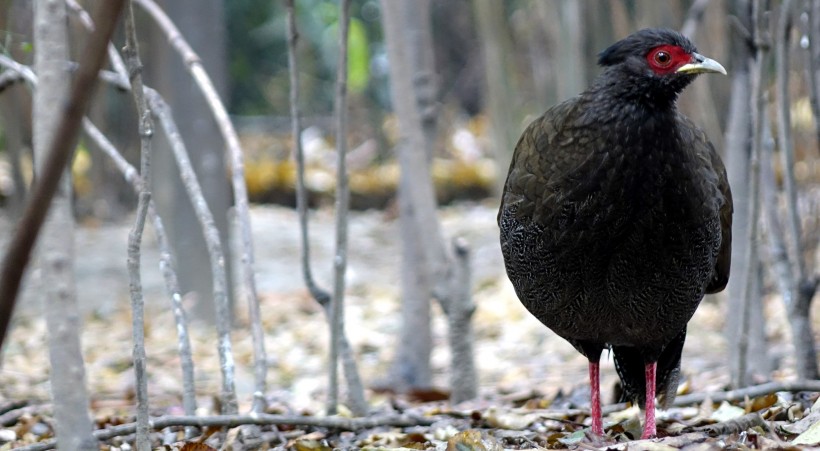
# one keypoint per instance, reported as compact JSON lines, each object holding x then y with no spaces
{"x":640,"y":42}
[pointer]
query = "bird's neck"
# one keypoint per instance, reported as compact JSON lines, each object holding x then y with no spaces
{"x":633,"y":97}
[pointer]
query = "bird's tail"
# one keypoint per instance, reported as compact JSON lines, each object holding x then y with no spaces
{"x":630,"y":362}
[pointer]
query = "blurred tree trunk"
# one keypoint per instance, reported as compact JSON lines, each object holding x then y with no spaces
{"x":202,"y":23}
{"x":497,"y":49}
{"x":404,"y":25}
{"x":795,"y":279}
{"x":743,"y":366}
{"x":565,"y":27}
{"x":427,"y":269}
{"x":56,"y":246}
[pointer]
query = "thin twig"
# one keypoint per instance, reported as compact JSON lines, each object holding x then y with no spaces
{"x":796,"y":300}
{"x":113,"y":55}
{"x":750,"y":392}
{"x":230,"y":421}
{"x":812,"y":34}
{"x":733,"y":426}
{"x":215,"y":253}
{"x":61,"y":148}
{"x":146,"y":132}
{"x":167,"y":267}
{"x":342,"y":204}
{"x":355,"y":393}
{"x":784,"y":135}
{"x":220,"y":113}
{"x":9,"y":79}
{"x":26,"y":72}
{"x":318,"y":293}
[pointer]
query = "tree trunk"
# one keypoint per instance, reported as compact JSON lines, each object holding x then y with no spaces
{"x":56,"y":247}
{"x":738,"y":149}
{"x":497,"y":50}
{"x":427,"y":269}
{"x":202,"y":24}
{"x":417,"y":203}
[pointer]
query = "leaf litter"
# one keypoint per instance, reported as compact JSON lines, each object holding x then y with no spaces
{"x":534,"y":392}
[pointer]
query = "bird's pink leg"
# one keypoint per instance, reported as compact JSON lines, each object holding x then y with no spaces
{"x":595,"y":398}
{"x":649,"y":429}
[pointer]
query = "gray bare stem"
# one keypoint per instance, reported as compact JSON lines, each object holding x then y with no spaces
{"x":459,"y":309}
{"x":342,"y":204}
{"x":758,"y":110}
{"x":56,"y":249}
{"x":812,"y":33}
{"x":784,"y":134}
{"x":321,"y":295}
{"x":167,"y":267}
{"x":138,"y":321}
{"x":215,"y":253}
{"x":223,"y":121}
{"x":146,"y":131}
{"x":356,"y":400}
{"x":797,"y":301}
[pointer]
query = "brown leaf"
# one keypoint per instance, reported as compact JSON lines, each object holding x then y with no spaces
{"x":196,"y":446}
{"x":311,"y":445}
{"x":761,"y":402}
{"x":428,"y":395}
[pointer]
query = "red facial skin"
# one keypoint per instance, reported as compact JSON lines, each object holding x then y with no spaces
{"x":666,"y":59}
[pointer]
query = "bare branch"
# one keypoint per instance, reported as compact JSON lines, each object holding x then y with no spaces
{"x":356,"y":399}
{"x":321,"y":295}
{"x":459,"y":309}
{"x":215,"y":253}
{"x":811,"y":34}
{"x":797,"y":301}
{"x":784,"y":135}
{"x":342,"y":204}
{"x":758,"y":103}
{"x":231,"y":421}
{"x":21,"y":69}
{"x":167,"y":268}
{"x":220,"y":114}
{"x":734,"y":426}
{"x":9,"y":79}
{"x":146,"y":132}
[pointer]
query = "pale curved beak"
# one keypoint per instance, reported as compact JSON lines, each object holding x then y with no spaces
{"x":701,"y":65}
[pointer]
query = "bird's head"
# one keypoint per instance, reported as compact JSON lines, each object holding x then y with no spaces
{"x":655,"y":63}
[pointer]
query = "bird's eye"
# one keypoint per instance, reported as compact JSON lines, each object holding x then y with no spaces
{"x":662,"y":58}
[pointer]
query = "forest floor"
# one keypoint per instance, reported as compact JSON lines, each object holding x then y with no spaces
{"x":524,"y":369}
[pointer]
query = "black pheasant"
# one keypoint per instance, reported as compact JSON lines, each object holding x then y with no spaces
{"x":616,"y":217}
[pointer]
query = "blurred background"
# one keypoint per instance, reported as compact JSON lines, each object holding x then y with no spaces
{"x":498,"y":65}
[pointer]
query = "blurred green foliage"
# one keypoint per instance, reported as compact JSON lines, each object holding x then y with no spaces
{"x":257,"y":36}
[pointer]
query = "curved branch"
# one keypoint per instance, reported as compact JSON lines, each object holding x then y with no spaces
{"x":203,"y":81}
